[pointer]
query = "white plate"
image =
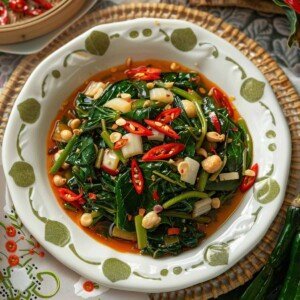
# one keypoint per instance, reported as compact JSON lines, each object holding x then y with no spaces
{"x":24,"y":152}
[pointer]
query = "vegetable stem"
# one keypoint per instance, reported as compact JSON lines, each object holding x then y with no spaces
{"x":110,"y":144}
{"x":99,"y":159}
{"x":249,"y":143}
{"x":259,"y":286}
{"x":181,"y":184}
{"x":62,"y":157}
{"x":197,"y":100}
{"x":187,"y":195}
{"x":141,"y":232}
{"x":202,"y":180}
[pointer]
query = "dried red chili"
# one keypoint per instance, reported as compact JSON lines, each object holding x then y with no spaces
{"x":3,"y":14}
{"x":17,"y":5}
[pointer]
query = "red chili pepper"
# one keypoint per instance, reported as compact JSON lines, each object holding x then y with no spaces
{"x":13,"y":260}
{"x":155,"y":195}
{"x":17,"y":5}
{"x":68,"y":195}
{"x":248,"y":181}
{"x":120,"y":144}
{"x":110,"y":171}
{"x":92,"y":196}
{"x":143,"y":73}
{"x":11,"y":246}
{"x":173,"y":231}
{"x":3,"y":14}
{"x":163,"y":128}
{"x":168,"y":115}
{"x":215,"y":121}
{"x":294,"y":4}
{"x":137,"y":177}
{"x":11,"y":231}
{"x":44,"y":4}
{"x":223,"y":101}
{"x":137,"y":128}
{"x":32,"y":12}
{"x":163,"y":151}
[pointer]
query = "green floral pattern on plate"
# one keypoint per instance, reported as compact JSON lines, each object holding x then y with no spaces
{"x":116,"y":270}
{"x":29,"y":110}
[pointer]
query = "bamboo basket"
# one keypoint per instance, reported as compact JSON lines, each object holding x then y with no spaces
{"x":37,"y":26}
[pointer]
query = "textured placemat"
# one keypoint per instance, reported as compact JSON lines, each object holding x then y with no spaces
{"x":267,"y":6}
{"x":286,"y":95}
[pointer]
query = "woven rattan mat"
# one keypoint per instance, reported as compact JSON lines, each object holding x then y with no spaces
{"x":267,"y":6}
{"x":282,"y":87}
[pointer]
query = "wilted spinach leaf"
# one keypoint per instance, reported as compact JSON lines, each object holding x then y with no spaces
{"x":83,"y":152}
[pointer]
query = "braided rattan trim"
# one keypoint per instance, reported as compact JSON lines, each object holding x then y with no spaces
{"x":282,"y":87}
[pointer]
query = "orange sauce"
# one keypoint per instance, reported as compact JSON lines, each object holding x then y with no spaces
{"x":111,"y":75}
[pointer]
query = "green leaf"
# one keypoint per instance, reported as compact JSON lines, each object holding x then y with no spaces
{"x":29,"y":110}
{"x":252,"y":89}
{"x":83,"y":152}
{"x":184,"y":39}
{"x":293,"y":21}
{"x":127,"y":200}
{"x":97,"y":43}
{"x":217,"y":254}
{"x":116,"y":270}
{"x":22,"y":174}
{"x":57,"y":233}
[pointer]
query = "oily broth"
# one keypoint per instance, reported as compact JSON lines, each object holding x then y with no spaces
{"x":115,"y":74}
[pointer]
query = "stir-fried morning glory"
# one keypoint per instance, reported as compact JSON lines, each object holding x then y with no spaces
{"x":151,"y":159}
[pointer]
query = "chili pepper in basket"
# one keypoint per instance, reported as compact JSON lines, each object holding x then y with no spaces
{"x":248,"y":181}
{"x":44,"y":4}
{"x":143,"y":73}
{"x":32,"y":12}
{"x":17,"y":5}
{"x":163,"y":151}
{"x":258,"y":288}
{"x":168,"y":115}
{"x":137,"y":128}
{"x":163,"y":128}
{"x":3,"y":14}
{"x":137,"y":177}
